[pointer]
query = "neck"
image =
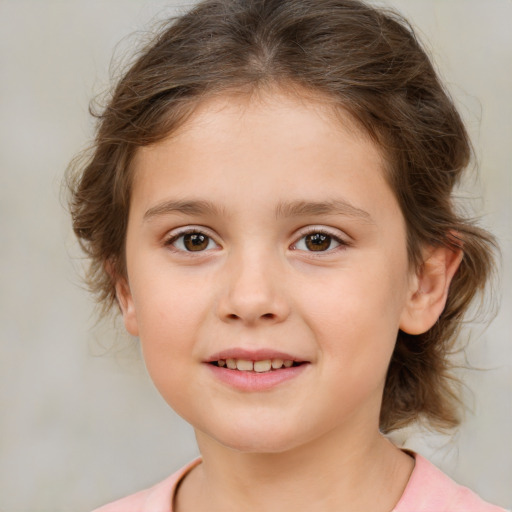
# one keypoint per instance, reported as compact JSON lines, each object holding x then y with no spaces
{"x":345,"y":478}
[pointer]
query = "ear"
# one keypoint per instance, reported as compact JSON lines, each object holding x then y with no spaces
{"x":429,"y":289}
{"x":124,"y":299}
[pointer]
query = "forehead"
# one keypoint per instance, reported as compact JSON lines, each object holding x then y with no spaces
{"x":269,"y":144}
{"x":300,"y":118}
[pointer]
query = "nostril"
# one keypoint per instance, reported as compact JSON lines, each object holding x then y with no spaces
{"x":268,"y":315}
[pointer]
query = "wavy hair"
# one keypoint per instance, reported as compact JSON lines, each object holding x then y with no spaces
{"x":367,"y":61}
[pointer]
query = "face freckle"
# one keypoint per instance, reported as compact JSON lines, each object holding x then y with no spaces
{"x":301,"y":255}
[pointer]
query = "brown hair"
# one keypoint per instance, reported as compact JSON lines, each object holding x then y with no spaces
{"x":370,"y":63}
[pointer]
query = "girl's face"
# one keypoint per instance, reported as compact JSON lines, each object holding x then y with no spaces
{"x":264,"y":233}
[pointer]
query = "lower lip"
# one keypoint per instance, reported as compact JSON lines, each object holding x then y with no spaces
{"x":254,"y":381}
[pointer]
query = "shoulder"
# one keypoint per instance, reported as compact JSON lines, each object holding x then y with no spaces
{"x":430,"y":490}
{"x":158,"y":498}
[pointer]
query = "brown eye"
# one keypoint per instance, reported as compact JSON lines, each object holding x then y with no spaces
{"x":316,"y":241}
{"x":194,"y":241}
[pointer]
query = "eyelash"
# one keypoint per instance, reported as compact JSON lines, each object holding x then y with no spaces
{"x":169,"y":242}
{"x":342,"y":244}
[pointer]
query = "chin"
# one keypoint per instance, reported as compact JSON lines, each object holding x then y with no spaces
{"x":258,"y":446}
{"x":258,"y":439}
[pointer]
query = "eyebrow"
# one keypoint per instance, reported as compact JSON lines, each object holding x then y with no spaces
{"x":283,"y":209}
{"x":330,"y":207}
{"x":187,"y":207}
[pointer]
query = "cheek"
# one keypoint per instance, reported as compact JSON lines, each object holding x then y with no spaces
{"x":165,"y":301}
{"x":168,"y":315}
{"x":357,"y":315}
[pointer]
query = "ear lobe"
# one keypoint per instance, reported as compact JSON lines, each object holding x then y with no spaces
{"x":429,"y":290}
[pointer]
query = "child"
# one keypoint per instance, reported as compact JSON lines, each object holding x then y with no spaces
{"x":269,"y":204}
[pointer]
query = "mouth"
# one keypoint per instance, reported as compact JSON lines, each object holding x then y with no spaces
{"x":256,"y":366}
{"x":255,"y":370}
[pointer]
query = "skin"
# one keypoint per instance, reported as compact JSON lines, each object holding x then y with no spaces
{"x":257,"y":285}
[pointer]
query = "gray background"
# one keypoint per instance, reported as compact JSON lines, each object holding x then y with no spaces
{"x":80,"y":422}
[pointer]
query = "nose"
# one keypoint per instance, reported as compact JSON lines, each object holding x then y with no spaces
{"x":253,"y":292}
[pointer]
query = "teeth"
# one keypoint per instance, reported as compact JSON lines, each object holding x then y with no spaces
{"x":262,"y":366}
{"x":244,"y":365}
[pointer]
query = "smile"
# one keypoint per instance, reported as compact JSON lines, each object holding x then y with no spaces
{"x":255,"y":370}
{"x":261,"y":366}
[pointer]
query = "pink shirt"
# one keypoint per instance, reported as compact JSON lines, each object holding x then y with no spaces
{"x":428,"y":490}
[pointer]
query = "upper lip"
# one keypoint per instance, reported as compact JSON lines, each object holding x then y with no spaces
{"x":252,"y":355}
